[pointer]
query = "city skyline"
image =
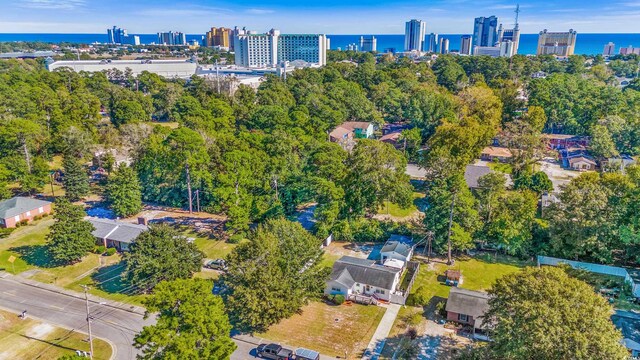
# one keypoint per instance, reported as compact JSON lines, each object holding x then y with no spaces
{"x":330,"y":17}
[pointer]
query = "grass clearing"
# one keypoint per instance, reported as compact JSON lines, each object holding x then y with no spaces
{"x":329,"y":329}
{"x":395,"y":210}
{"x":501,"y":167}
{"x":32,"y":339}
{"x":27,"y":245}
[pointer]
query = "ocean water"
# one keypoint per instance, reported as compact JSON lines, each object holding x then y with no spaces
{"x":587,"y":44}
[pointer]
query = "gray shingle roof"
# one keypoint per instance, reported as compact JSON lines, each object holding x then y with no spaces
{"x":19,"y":205}
{"x":468,"y":302}
{"x":474,"y":172}
{"x":397,"y":247}
{"x":116,"y":230}
{"x":364,"y":272}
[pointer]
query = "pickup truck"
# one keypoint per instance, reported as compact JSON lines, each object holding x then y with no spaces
{"x":274,"y":352}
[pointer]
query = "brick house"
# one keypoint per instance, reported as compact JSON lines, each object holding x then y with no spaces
{"x":19,"y":208}
{"x":116,"y":234}
{"x":467,"y":307}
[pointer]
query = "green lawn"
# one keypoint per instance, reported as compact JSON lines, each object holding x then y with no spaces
{"x":32,"y":339}
{"x":331,"y":330}
{"x":395,"y":210}
{"x":27,"y":245}
{"x":501,"y":167}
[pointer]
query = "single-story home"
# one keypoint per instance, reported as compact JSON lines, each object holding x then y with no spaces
{"x":582,"y":163}
{"x":618,"y":163}
{"x":467,"y":307}
{"x":115,"y":233}
{"x":355,"y":276}
{"x":399,"y":248}
{"x":495,"y":153}
{"x":17,"y":209}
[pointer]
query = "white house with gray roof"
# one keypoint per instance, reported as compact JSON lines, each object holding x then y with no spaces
{"x":116,"y":234}
{"x":355,"y":276}
{"x":397,"y":250}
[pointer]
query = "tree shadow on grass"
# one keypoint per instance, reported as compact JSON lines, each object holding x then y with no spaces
{"x":36,"y":255}
{"x":109,"y":279}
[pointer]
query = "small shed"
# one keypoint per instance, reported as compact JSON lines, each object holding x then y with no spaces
{"x":453,"y":277}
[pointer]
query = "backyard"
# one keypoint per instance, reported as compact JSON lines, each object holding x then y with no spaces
{"x":332,"y":330}
{"x":31,"y":339}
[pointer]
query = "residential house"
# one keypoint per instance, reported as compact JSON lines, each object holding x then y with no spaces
{"x":565,"y":141}
{"x":353,"y":130}
{"x":115,"y":233}
{"x":397,"y":251}
{"x":17,"y":209}
{"x":392,"y":138}
{"x":494,"y":153}
{"x":618,"y":163}
{"x":582,"y":163}
{"x":467,"y":307}
{"x":355,"y":276}
{"x":472,"y":173}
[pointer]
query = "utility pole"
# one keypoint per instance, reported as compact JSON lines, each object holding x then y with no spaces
{"x":189,"y":189}
{"x":86,"y":298}
{"x":198,"y":199}
{"x":275,"y":184}
{"x":453,"y":202}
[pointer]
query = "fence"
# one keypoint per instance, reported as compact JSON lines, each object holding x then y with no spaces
{"x":594,"y":268}
{"x":400,"y":297}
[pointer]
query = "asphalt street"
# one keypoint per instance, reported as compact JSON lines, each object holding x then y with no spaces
{"x":115,"y":325}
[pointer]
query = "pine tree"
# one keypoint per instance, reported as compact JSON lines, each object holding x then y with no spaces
{"x":123,"y":192}
{"x":76,"y":181}
{"x":70,"y":237}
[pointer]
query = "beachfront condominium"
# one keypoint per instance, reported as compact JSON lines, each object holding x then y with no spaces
{"x":432,"y":43}
{"x":414,"y":33}
{"x":485,"y":31}
{"x":369,"y":43}
{"x":172,"y":38}
{"x":609,"y":49}
{"x":465,"y":45}
{"x":220,"y":37}
{"x":116,"y":35}
{"x":561,"y":44}
{"x":444,"y":46}
{"x":273,"y":48}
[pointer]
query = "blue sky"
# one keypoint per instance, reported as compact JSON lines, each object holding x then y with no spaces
{"x":319,"y":16}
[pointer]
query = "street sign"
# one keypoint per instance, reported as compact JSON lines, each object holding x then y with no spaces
{"x":11,"y":259}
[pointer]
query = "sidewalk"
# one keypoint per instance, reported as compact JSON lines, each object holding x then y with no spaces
{"x":92,"y":298}
{"x":382,"y":332}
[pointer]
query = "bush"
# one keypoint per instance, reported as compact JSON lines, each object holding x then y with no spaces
{"x":37,"y":217}
{"x":236,"y":238}
{"x":111,"y":251}
{"x":23,"y":222}
{"x":441,"y":309}
{"x":338,"y":299}
{"x":418,"y":298}
{"x":44,"y":215}
{"x":5,"y":232}
{"x":100,"y":249}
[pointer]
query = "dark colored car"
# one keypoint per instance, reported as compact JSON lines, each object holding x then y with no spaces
{"x":274,"y":352}
{"x":217,"y":264}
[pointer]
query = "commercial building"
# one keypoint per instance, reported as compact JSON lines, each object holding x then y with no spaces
{"x":272,"y":48}
{"x":510,"y":36}
{"x":629,"y":50}
{"x":368,"y":43}
{"x":166,"y":68}
{"x":432,"y":45}
{"x":443,"y":48}
{"x":465,"y":45}
{"x":116,"y":35}
{"x":221,"y":37}
{"x":351,"y":47}
{"x":485,"y":31}
{"x":561,"y":44}
{"x":414,"y":33}
{"x":172,"y":38}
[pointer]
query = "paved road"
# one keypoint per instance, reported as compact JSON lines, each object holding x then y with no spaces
{"x":112,"y":324}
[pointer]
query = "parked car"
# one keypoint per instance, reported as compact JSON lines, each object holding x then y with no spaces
{"x":306,"y":354}
{"x":217,"y":264}
{"x":274,"y":352}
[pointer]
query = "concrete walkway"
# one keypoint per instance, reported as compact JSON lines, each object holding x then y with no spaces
{"x":382,"y":332}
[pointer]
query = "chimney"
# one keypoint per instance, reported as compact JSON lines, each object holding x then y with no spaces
{"x":142,"y":221}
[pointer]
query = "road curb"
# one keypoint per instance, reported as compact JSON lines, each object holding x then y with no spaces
{"x":92,"y":298}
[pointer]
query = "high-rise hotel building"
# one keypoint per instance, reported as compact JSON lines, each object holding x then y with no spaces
{"x":414,"y":33}
{"x":557,"y":43}
{"x":221,"y":37}
{"x":272,"y":48}
{"x":485,"y":31}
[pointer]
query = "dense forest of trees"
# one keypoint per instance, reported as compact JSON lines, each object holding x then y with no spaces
{"x":255,"y":156}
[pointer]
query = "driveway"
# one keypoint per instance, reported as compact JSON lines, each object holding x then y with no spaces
{"x":558,"y":175}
